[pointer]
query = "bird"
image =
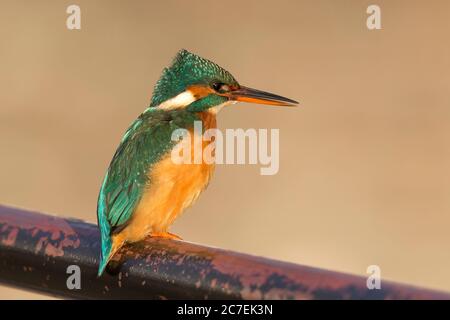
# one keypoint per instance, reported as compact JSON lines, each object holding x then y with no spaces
{"x":143,"y":190}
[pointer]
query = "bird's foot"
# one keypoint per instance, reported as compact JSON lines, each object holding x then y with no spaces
{"x":165,"y":235}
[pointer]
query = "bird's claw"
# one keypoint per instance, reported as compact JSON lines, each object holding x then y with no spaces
{"x":165,"y":235}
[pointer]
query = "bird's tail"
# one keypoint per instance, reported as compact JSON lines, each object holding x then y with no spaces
{"x":109,"y":243}
{"x":109,"y":247}
{"x":105,"y":255}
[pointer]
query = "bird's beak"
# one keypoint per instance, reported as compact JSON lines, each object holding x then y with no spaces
{"x":245,"y":94}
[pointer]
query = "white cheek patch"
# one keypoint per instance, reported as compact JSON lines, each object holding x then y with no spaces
{"x":186,"y":98}
{"x":181,"y":100}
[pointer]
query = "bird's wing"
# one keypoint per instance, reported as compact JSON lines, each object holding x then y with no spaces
{"x":144,"y":143}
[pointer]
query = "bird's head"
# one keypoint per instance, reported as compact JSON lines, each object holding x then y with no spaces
{"x":197,"y":84}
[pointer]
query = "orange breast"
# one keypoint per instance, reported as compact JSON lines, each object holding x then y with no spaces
{"x":173,"y":188}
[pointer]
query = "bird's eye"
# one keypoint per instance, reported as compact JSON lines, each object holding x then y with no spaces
{"x":220,"y":87}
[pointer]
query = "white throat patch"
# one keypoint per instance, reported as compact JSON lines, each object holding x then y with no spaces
{"x":216,"y":109}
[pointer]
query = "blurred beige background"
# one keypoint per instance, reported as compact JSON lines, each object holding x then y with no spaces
{"x":365,"y":161}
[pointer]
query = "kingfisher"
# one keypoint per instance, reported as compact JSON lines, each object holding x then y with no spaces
{"x":144,"y":190}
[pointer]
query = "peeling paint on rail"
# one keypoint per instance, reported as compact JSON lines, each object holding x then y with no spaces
{"x":36,"y":249}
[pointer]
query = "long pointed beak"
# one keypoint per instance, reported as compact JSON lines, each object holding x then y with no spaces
{"x":245,"y":94}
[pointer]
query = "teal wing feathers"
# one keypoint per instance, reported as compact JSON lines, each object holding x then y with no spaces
{"x":144,"y":143}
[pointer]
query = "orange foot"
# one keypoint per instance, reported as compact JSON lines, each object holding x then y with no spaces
{"x":165,"y":235}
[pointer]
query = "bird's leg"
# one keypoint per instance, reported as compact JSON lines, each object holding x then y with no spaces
{"x":165,"y":235}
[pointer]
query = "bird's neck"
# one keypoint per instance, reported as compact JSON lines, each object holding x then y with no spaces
{"x":208,"y":119}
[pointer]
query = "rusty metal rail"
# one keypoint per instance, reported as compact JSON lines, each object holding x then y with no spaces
{"x":36,"y":250}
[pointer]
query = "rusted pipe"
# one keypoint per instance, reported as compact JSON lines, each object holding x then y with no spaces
{"x":36,"y":250}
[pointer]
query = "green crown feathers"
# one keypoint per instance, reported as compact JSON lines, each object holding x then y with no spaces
{"x":188,"y":69}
